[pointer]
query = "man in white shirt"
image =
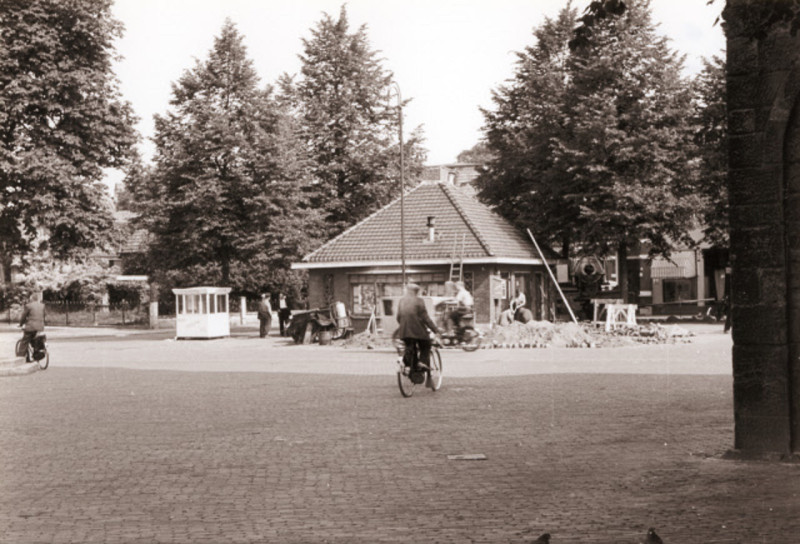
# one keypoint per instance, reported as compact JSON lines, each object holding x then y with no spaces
{"x":464,"y":303}
{"x":284,"y":313}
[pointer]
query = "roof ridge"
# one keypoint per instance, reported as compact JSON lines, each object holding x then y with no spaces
{"x":352,"y":227}
{"x":470,"y":224}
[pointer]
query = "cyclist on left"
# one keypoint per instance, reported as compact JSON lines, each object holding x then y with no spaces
{"x":32,"y":321}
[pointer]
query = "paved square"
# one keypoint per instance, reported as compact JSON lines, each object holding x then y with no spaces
{"x":239,"y":440}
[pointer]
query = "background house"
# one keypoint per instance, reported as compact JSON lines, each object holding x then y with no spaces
{"x":443,"y":224}
{"x":689,"y":279}
{"x":458,"y":174}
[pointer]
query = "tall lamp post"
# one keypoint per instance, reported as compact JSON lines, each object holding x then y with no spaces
{"x":402,"y":185}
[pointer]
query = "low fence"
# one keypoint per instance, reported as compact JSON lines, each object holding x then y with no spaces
{"x":85,"y":314}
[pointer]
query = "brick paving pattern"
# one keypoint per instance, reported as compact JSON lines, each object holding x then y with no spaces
{"x":123,"y":455}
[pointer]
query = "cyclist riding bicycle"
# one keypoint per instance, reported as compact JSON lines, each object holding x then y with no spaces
{"x":414,"y":322}
{"x":32,"y":322}
{"x":464,"y":303}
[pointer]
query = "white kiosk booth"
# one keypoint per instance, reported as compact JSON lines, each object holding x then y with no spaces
{"x":202,"y":312}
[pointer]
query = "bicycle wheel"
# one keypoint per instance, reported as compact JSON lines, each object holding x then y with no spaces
{"x":404,"y":379}
{"x":470,"y":340}
{"x":44,"y":362}
{"x":435,"y":375}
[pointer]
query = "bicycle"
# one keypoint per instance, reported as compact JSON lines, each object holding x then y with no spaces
{"x":36,"y":351}
{"x":464,"y":337}
{"x":410,"y":376}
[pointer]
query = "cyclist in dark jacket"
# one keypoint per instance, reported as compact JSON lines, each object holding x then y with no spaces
{"x":32,"y":321}
{"x":414,"y":321}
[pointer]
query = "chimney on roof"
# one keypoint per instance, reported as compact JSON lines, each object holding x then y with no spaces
{"x":431,"y":228}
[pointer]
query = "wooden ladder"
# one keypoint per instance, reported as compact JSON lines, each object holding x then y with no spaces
{"x":457,"y":260}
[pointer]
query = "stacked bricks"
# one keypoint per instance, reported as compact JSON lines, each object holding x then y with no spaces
{"x":764,"y":181}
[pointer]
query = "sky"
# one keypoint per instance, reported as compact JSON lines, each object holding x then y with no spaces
{"x":446,"y":55}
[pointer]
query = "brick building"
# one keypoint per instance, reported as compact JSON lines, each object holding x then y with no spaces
{"x":362,"y":266}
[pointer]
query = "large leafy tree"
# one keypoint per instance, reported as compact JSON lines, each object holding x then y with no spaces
{"x":62,"y":121}
{"x":711,"y":119}
{"x":349,"y":116}
{"x":607,"y":156}
{"x":225,"y":198}
{"x":628,"y":146}
{"x":528,"y":114}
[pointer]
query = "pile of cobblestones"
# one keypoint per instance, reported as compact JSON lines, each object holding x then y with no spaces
{"x":540,"y":334}
{"x":544,"y":334}
{"x":367,"y":340}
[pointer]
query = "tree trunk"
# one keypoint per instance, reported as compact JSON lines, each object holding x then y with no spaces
{"x":5,"y":265}
{"x":226,"y":271}
{"x":565,"y":248}
{"x":622,"y":267}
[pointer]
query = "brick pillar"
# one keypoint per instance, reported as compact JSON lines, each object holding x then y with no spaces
{"x":764,"y":183}
{"x":792,"y":216}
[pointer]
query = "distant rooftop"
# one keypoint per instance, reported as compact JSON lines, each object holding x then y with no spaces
{"x":457,"y":173}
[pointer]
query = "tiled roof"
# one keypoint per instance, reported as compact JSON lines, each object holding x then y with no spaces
{"x":458,"y":215}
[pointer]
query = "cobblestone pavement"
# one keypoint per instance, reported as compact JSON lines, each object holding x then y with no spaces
{"x":291,"y":448}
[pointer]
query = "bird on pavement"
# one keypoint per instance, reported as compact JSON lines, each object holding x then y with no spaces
{"x":652,"y":537}
{"x":544,"y":539}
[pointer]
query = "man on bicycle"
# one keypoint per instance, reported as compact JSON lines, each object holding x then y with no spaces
{"x":464,"y":303}
{"x":414,"y":322}
{"x":32,"y":321}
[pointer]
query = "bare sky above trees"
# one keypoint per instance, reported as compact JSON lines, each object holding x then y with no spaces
{"x":447,"y":55}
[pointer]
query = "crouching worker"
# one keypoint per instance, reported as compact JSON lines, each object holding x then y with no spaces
{"x":414,"y":323}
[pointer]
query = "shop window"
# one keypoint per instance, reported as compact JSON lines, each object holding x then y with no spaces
{"x":363,"y":298}
{"x":221,"y":307}
{"x":677,"y":289}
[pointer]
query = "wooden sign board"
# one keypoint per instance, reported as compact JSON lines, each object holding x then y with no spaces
{"x":499,"y":287}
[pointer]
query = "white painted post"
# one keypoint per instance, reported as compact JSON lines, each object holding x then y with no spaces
{"x":242,"y":309}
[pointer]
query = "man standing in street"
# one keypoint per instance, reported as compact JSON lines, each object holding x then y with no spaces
{"x":284,"y":313}
{"x":414,"y":322}
{"x":32,"y":321}
{"x":264,"y":315}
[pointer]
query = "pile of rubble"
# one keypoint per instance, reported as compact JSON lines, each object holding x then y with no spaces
{"x":367,"y":340}
{"x":544,"y":334}
{"x":539,"y":334}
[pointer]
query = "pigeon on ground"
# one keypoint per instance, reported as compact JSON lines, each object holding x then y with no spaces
{"x":544,"y":539}
{"x":652,"y":537}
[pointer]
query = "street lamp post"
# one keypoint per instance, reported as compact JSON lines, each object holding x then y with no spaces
{"x":402,"y":185}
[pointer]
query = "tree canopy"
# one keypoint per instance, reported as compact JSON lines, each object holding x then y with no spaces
{"x":349,"y":118}
{"x":599,"y":139}
{"x":62,"y":121}
{"x":711,"y":139}
{"x":225,"y":200}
